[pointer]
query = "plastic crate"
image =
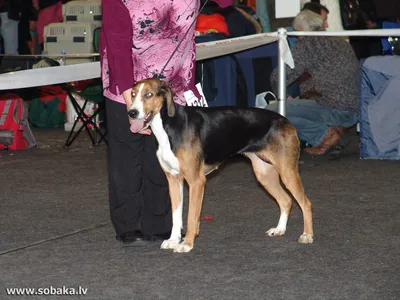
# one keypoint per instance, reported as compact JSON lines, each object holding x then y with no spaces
{"x":70,"y":38}
{"x":83,"y":11}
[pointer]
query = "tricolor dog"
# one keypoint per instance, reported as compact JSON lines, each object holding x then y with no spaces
{"x":194,"y":141}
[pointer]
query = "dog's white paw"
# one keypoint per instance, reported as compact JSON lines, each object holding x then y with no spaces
{"x":276,"y":232}
{"x":183,"y":248}
{"x":306,"y":238}
{"x":169,"y":244}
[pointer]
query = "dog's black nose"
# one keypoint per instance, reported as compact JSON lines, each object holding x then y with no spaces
{"x":133,"y":113}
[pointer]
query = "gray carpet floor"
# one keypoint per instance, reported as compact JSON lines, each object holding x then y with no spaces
{"x":55,"y":232}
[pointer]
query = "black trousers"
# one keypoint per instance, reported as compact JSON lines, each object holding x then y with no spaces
{"x":138,"y":189}
{"x":366,"y":46}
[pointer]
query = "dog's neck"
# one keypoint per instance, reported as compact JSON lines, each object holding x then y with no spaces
{"x":162,"y":124}
{"x":158,"y":129}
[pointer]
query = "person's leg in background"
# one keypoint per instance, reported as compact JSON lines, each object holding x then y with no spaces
{"x":48,"y":15}
{"x":9,"y":32}
{"x":24,"y":36}
{"x":315,"y":124}
{"x":138,"y":194}
{"x":262,"y":13}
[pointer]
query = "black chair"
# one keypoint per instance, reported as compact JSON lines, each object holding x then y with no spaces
{"x":93,"y":93}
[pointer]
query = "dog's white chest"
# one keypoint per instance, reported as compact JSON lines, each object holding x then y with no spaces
{"x":168,"y":161}
{"x":166,"y":157}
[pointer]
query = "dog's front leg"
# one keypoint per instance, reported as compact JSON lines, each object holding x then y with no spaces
{"x":176,"y":194}
{"x":196,"y":195}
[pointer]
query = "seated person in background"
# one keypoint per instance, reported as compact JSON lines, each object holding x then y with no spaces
{"x":319,"y":9}
{"x":294,"y":89}
{"x":329,"y":93}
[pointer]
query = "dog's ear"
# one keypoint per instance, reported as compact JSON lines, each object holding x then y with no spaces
{"x":166,"y":91}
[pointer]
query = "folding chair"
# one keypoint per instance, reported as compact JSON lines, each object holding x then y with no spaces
{"x":96,"y":38}
{"x":93,"y":93}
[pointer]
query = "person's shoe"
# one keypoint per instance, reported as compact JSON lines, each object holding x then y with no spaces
{"x":132,"y":239}
{"x":330,"y":140}
{"x":157,"y":237}
{"x":341,"y":130}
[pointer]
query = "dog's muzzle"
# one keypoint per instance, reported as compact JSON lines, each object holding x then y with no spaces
{"x":133,"y":113}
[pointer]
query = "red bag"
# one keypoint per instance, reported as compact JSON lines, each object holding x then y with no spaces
{"x":15,"y":133}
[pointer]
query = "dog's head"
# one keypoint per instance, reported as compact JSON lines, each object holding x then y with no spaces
{"x":148,"y":97}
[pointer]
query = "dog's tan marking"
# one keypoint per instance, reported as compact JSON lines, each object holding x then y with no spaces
{"x":140,"y":92}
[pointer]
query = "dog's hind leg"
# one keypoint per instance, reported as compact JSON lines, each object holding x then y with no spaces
{"x":175,"y":184}
{"x":291,"y":179}
{"x":268,"y":176}
{"x":283,"y":153}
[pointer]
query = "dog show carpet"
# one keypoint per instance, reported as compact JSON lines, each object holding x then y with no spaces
{"x":56,"y":235}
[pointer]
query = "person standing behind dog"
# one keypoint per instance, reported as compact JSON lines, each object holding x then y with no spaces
{"x":10,"y":13}
{"x":329,"y":94}
{"x":137,"y":39}
{"x":49,"y":11}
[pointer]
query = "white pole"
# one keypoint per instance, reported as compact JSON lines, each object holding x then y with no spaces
{"x":282,"y":73}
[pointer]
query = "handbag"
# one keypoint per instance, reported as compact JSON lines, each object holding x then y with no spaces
{"x":352,"y":15}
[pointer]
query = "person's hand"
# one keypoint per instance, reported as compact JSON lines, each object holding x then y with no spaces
{"x":146,"y":131}
{"x":127,"y":97}
{"x":35,"y":4}
{"x":290,"y":98}
{"x":128,"y":100}
{"x":371,"y":24}
{"x":304,"y":77}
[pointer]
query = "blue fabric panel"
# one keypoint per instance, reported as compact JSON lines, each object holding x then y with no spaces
{"x":225,"y":71}
{"x":245,"y":60}
{"x":373,"y":86}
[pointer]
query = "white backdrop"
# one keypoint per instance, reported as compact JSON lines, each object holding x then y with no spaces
{"x":286,"y":8}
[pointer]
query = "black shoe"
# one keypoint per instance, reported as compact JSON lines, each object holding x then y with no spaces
{"x":158,"y":236}
{"x":132,"y":239}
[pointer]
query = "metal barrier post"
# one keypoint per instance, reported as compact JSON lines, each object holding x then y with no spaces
{"x":282,"y":73}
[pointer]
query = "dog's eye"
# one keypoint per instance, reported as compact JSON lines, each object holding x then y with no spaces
{"x":148,"y":95}
{"x":133,"y":94}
